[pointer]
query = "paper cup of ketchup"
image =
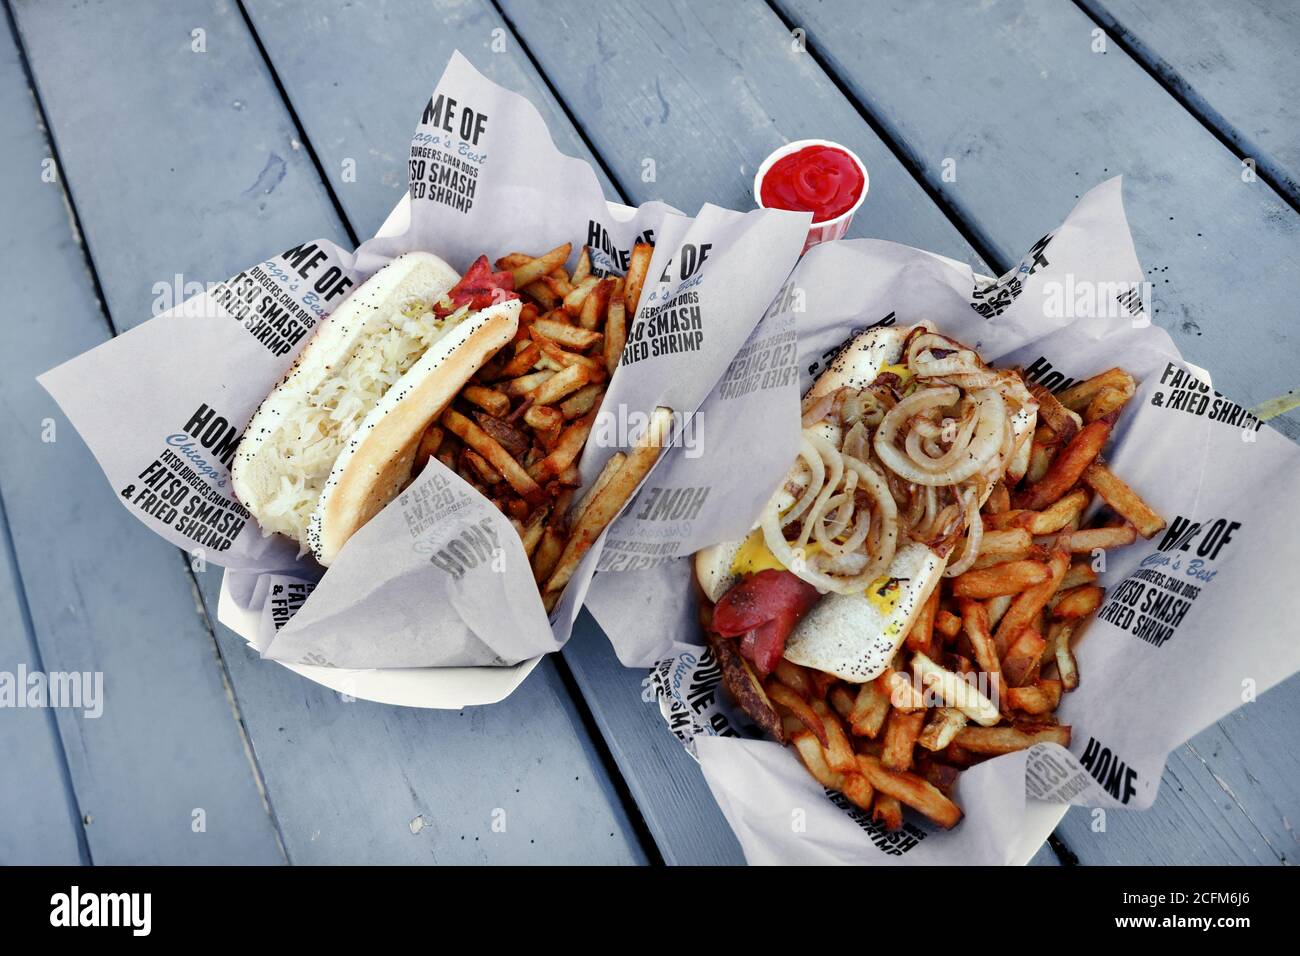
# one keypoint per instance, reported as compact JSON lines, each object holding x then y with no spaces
{"x":816,"y":176}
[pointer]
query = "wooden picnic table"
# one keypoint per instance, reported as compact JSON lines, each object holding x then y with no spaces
{"x":171,"y":141}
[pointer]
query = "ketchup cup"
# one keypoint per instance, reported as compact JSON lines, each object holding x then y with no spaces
{"x":831,"y":228}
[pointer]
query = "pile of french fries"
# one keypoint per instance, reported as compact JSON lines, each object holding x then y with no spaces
{"x":516,"y":430}
{"x":901,"y":739}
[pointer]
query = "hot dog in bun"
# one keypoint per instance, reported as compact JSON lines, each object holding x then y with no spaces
{"x":337,"y":438}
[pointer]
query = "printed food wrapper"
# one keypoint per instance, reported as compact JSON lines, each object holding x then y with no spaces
{"x":439,"y":577}
{"x":1196,"y":621}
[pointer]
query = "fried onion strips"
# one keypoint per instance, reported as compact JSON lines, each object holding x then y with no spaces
{"x":920,"y":449}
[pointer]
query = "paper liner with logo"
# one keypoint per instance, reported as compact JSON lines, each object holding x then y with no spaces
{"x":1196,"y":621}
{"x":439,"y":578}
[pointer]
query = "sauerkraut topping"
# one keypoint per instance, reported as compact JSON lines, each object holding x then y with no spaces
{"x":307,"y":442}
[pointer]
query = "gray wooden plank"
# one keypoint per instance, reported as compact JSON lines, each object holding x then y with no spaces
{"x":39,"y":822}
{"x":104,"y":594}
{"x":941,"y":80}
{"x":362,"y":130}
{"x":317,"y":54}
{"x":1234,"y":64}
{"x":199,"y":171}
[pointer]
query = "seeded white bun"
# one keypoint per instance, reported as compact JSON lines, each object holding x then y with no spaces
{"x":260,"y":470}
{"x":377,"y":462}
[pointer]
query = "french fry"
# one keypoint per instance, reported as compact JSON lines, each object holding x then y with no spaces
{"x":525,"y":357}
{"x":947,"y":623}
{"x":541,"y":294}
{"x":887,"y":812}
{"x":1021,"y":661}
{"x":1062,"y":422}
{"x":859,"y":792}
{"x":870,"y":708}
{"x":543,"y":417}
{"x":1123,"y":499}
{"x":1025,"y":607}
{"x":1040,"y":697}
{"x":1088,"y":540}
{"x":606,"y":473}
{"x":532,"y":534}
{"x":999,"y":499}
{"x":841,"y":699}
{"x":547,"y":553}
{"x":997,"y":606}
{"x":562,"y":383}
{"x":1004,"y":740}
{"x":956,"y":691}
{"x":1078,"y":397}
{"x":485,"y":471}
{"x":1106,"y":402}
{"x":1040,"y":459}
{"x":1010,"y":577}
{"x":430,"y":441}
{"x":498,"y":457}
{"x":488,"y":399}
{"x":901,"y":731}
{"x":1077,"y":602}
{"x":513,"y":260}
{"x":582,"y":401}
{"x":975,"y":622}
{"x":573,"y":301}
{"x":583,"y":268}
{"x":523,"y":384}
{"x":916,"y":792}
{"x":903,"y":694}
{"x":594,"y":305}
{"x":921,"y":636}
{"x":1066,"y":468}
{"x":1059,"y":514}
{"x":561,"y":358}
{"x":638,"y":265}
{"x":839,"y":752}
{"x":567,"y":335}
{"x":1008,"y":543}
{"x":566,"y":449}
{"x":794,"y":677}
{"x":528,"y":272}
{"x":604,"y":506}
{"x":1079,"y":573}
{"x":615,"y":333}
{"x":942,"y":727}
{"x":559,"y":285}
{"x":794,"y":702}
{"x":1062,"y":632}
{"x":810,"y":752}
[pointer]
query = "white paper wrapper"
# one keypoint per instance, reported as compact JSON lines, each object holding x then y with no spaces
{"x":439,"y":578}
{"x":1196,"y":621}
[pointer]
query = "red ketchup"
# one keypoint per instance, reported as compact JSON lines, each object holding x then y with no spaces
{"x":478,"y":288}
{"x":822,"y":180}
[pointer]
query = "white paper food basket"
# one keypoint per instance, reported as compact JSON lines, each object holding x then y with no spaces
{"x":443,"y":688}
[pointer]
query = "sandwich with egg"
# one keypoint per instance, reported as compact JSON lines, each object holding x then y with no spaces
{"x":905,"y":435}
{"x":336,"y":440}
